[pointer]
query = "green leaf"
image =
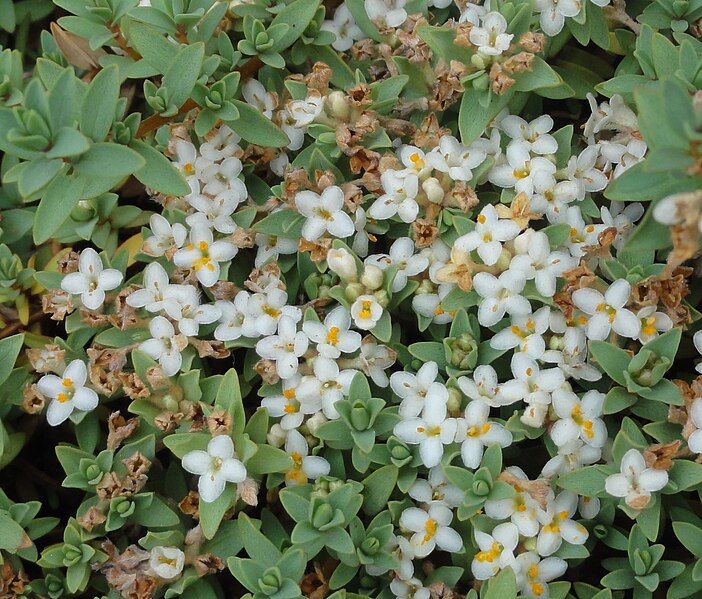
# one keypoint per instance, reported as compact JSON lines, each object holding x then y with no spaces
{"x":60,"y":197}
{"x":9,"y":350}
{"x":109,"y":160}
{"x":158,"y":172}
{"x":610,"y":358}
{"x":473,"y":117}
{"x":690,"y":536}
{"x":12,"y":535}
{"x":100,"y":104}
{"x":297,"y":16}
{"x":502,"y":586}
{"x":256,"y":128}
{"x":211,"y":514}
{"x":150,"y":43}
{"x":181,"y":76}
{"x":378,"y":486}
{"x":282,"y":223}
{"x":269,"y":459}
{"x":588,"y":481}
{"x":256,"y":544}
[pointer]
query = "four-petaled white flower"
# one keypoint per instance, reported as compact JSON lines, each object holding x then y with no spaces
{"x":436,"y":489}
{"x":520,"y":169}
{"x":67,"y":393}
{"x":165,"y":345}
{"x":366,"y":312}
{"x":152,"y":295}
{"x":91,"y":280}
{"x":344,"y":27}
{"x":501,"y":295}
{"x":431,"y":432}
{"x":431,"y":529}
{"x":488,"y":236}
{"x":534,"y":573}
{"x":413,"y":389}
{"x":285,"y":348}
{"x":496,"y":550}
{"x":401,"y":188}
{"x":475,"y":432}
{"x":607,"y":312}
{"x":578,"y":418}
{"x":636,"y":481}
{"x":401,"y":256}
{"x":534,"y":135}
{"x":203,"y":255}
{"x":324,"y":213}
{"x":521,"y":509}
{"x":455,"y":159}
{"x":491,"y":37}
{"x":483,"y":386}
{"x":333,"y":336}
{"x":525,"y":334}
{"x":390,"y":13}
{"x":557,"y":525}
{"x":216,"y":467}
{"x":164,"y":236}
{"x":554,"y":13}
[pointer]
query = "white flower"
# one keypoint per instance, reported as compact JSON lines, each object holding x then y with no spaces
{"x":233,"y":318}
{"x":328,"y":385}
{"x":165,"y":345}
{"x":534,"y":135}
{"x":413,"y":389}
{"x":554,"y":12}
{"x":623,"y":155}
{"x":216,"y":467}
{"x":589,"y":507}
{"x":582,"y":170}
{"x":270,"y":246}
{"x":532,"y":385}
{"x":91,"y":280}
{"x":571,"y":456}
{"x":607,"y":312}
{"x":491,"y":38}
{"x":401,"y":256}
{"x":483,"y":386}
{"x":571,"y":359}
{"x":290,"y":407}
{"x":472,"y":13}
{"x":652,"y":323}
{"x":266,"y":309}
{"x":409,"y":588}
{"x":452,"y":157}
{"x":536,"y":261}
{"x":343,"y":263}
{"x":557,"y":524}
{"x":403,"y":552}
{"x":431,"y":432}
{"x":343,"y":25}
{"x":285,"y":348}
{"x":333,"y":337}
{"x":182,"y":304}
{"x":151,"y":296}
{"x":297,"y":116}
{"x":187,"y":160}
{"x":213,"y":212}
{"x":67,"y":393}
{"x":164,"y":236}
{"x":305,"y":467}
{"x":401,"y":188}
{"x":621,"y":218}
{"x":552,"y":197}
{"x":203,"y":255}
{"x":520,"y":170}
{"x":223,"y":144}
{"x":697,"y":341}
{"x":324,"y":213}
{"x":534,"y":573}
{"x":375,"y":360}
{"x":475,"y":432}
{"x":414,"y":159}
{"x":166,"y":562}
{"x":436,"y":489}
{"x":673,"y":209}
{"x":431,"y":529}
{"x":222,"y":179}
{"x":496,"y":550}
{"x":429,"y":304}
{"x":694,"y":441}
{"x":635,"y":482}
{"x":257,"y":96}
{"x":578,"y":418}
{"x":489,"y":234}
{"x":521,"y":508}
{"x":581,"y":235}
{"x":525,"y":333}
{"x":391,"y":13}
{"x":366,"y":312}
{"x":501,"y":295}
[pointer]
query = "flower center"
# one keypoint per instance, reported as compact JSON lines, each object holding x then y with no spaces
{"x":365,"y":309}
{"x":333,"y":336}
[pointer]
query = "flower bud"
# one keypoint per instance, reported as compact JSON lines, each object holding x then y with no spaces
{"x":342,"y":262}
{"x":372,"y":277}
{"x":276,"y":436}
{"x":454,"y":401}
{"x":360,"y":419}
{"x":353,"y":291}
{"x":382,"y":296}
{"x":314,"y":422}
{"x":322,"y":515}
{"x":433,"y":189}
{"x":338,"y":105}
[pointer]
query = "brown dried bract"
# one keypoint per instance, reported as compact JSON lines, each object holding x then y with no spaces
{"x":660,"y":455}
{"x":318,"y":249}
{"x":207,"y":564}
{"x":33,"y":402}
{"x":424,"y":232}
{"x":92,"y":518}
{"x":128,"y":572}
{"x":57,"y":304}
{"x":219,"y":422}
{"x":50,"y":358}
{"x":119,"y":429}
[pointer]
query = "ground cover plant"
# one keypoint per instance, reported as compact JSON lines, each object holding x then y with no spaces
{"x":361,"y":299}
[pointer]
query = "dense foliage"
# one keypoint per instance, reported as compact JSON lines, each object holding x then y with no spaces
{"x":361,"y":299}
